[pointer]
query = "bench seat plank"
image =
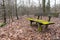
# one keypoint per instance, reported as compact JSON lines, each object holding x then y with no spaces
{"x":41,"y":21}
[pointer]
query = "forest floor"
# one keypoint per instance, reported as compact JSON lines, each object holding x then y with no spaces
{"x":21,"y":30}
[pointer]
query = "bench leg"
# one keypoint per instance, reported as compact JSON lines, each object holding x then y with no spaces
{"x":39,"y":27}
{"x":36,"y":22}
{"x":46,"y":27}
{"x":30,"y":23}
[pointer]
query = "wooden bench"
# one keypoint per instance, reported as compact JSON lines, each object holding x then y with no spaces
{"x":39,"y":23}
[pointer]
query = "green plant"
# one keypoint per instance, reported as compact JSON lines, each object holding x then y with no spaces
{"x":2,"y":24}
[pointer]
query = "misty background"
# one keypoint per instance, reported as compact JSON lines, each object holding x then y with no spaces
{"x":27,"y":7}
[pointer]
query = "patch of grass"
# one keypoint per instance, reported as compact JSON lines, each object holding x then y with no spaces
{"x":2,"y":24}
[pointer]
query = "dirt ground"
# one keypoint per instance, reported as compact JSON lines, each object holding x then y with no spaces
{"x":21,"y":30}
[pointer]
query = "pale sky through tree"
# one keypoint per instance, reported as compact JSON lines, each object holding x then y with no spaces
{"x":52,"y":2}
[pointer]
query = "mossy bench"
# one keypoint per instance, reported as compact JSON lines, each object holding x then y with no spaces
{"x":39,"y":23}
{"x":2,"y":24}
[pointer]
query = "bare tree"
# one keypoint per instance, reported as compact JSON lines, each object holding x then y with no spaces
{"x":29,"y":8}
{"x":10,"y":10}
{"x":40,"y":9}
{"x":4,"y":11}
{"x":48,"y":11}
{"x":55,"y":6}
{"x":43,"y":3}
{"x":16,"y":9}
{"x":48,"y":4}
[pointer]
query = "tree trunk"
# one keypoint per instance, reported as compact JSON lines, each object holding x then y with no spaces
{"x":4,"y":12}
{"x":10,"y":11}
{"x":43,"y":2}
{"x":49,"y":6}
{"x":49,"y":10}
{"x":16,"y":9}
{"x":55,"y":6}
